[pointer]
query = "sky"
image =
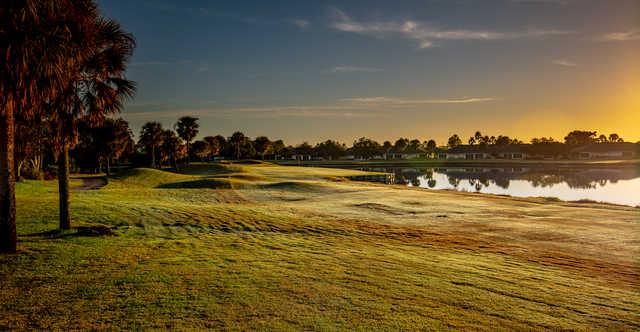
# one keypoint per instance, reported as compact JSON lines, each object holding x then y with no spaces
{"x":317,"y":70}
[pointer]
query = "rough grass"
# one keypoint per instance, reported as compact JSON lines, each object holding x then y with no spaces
{"x":257,"y":246}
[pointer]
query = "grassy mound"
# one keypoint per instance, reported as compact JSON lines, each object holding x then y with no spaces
{"x":146,"y":177}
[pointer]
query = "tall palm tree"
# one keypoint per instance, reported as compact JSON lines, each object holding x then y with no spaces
{"x":151,"y":137}
{"x":39,"y":41}
{"x":187,"y":128}
{"x":96,"y":88}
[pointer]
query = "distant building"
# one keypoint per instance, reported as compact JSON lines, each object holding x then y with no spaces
{"x":510,"y":151}
{"x":468,"y":152}
{"x":606,"y":151}
{"x":404,"y":154}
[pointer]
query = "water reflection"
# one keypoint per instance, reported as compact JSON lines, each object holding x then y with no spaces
{"x":619,"y":185}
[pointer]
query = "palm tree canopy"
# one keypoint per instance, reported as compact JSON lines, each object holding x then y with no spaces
{"x":40,"y":42}
{"x":151,"y":134}
{"x":187,"y":128}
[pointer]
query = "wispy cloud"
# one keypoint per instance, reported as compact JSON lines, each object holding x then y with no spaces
{"x":564,"y":63}
{"x":300,"y":23}
{"x":354,"y":69}
{"x":424,"y":34}
{"x":558,"y":2}
{"x":401,"y":102}
{"x":202,"y":69}
{"x":621,"y":36}
{"x":358,"y":107}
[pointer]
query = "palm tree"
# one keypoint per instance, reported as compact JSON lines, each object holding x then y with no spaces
{"x":39,"y":42}
{"x":96,"y":87}
{"x":187,"y":128}
{"x":151,"y":138}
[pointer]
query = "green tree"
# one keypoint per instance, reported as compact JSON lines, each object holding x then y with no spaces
{"x":366,"y":148}
{"x":454,"y":141}
{"x":171,"y":149}
{"x":262,"y":144}
{"x":115,"y":137}
{"x":615,"y":138}
{"x":431,"y":147}
{"x":238,"y":140}
{"x":151,"y":136}
{"x":578,"y":137}
{"x":215,"y":144}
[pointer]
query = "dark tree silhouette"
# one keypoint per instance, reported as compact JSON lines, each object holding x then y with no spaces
{"x":237,"y":140}
{"x":187,"y":128}
{"x":454,"y":141}
{"x":262,"y":144}
{"x":151,"y":137}
{"x":578,"y":137}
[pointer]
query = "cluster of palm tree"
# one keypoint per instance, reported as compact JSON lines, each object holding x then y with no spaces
{"x":164,"y":145}
{"x":63,"y":63}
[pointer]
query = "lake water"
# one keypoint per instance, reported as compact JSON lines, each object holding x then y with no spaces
{"x":618,"y":185}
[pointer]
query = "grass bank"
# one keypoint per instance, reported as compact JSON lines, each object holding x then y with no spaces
{"x":274,"y":247}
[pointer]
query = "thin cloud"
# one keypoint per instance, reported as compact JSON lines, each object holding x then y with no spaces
{"x":401,"y":102}
{"x":202,"y":69}
{"x":564,"y":63}
{"x":300,"y":23}
{"x":354,"y":69}
{"x":557,"y":2}
{"x":621,"y":36}
{"x":362,"y":107}
{"x":424,"y":34}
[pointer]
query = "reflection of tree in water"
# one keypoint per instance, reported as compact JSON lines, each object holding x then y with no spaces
{"x":453,"y":181}
{"x":478,"y":178}
{"x":502,"y":183}
{"x":577,"y":178}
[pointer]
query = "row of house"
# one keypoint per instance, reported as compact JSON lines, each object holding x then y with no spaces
{"x":512,"y":151}
{"x":554,"y":151}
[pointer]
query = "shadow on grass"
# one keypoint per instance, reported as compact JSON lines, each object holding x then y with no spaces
{"x":197,"y":184}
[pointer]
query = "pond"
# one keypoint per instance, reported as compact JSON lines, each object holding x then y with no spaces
{"x":617,"y":185}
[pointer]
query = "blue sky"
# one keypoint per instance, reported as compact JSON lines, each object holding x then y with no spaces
{"x":312,"y":70}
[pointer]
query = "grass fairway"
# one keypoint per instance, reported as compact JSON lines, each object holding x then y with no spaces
{"x":288,"y":248}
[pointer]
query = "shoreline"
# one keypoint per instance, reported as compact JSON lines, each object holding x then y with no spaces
{"x":461,"y":163}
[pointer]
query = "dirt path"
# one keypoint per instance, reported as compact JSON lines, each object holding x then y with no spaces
{"x":91,"y":184}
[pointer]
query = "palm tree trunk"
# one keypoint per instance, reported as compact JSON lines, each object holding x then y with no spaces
{"x":63,"y":187}
{"x":187,"y":153}
{"x":8,"y":237}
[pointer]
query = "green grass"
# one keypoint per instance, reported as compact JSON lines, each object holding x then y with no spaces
{"x":288,"y":248}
